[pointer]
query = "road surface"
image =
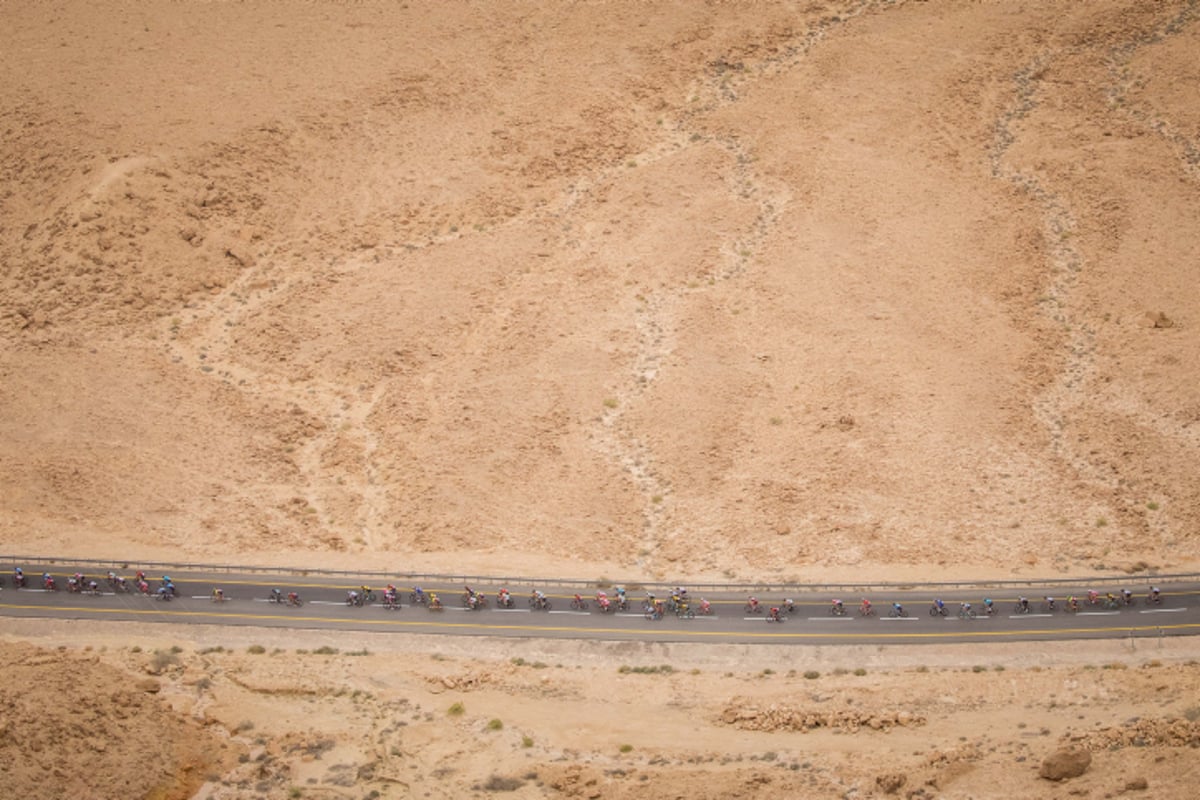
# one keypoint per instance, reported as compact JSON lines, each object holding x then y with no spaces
{"x":810,"y":623}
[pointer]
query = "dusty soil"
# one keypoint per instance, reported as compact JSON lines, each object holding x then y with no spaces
{"x":789,"y":289}
{"x":637,"y":289}
{"x":312,"y":714}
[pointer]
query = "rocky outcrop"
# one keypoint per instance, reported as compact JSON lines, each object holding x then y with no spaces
{"x":787,"y":718}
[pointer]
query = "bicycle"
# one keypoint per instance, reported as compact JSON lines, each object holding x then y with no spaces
{"x":937,"y":611}
{"x":1154,"y":599}
{"x":1048,"y":607}
{"x":579,"y":604}
{"x":967,"y":613}
{"x":898,"y":612}
{"x":837,"y":611}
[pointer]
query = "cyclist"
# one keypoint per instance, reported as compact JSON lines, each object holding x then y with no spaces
{"x":705,"y":607}
{"x":789,"y":606}
{"x":1112,"y":599}
{"x":1049,"y":602}
{"x":293,"y":599}
{"x":1127,"y":596}
{"x":774,"y":614}
{"x":434,"y":602}
{"x":964,"y":608}
{"x":1072,"y":603}
{"x":418,"y":595}
{"x":602,"y":600}
{"x":503,"y":598}
{"x":940,"y":605}
{"x":218,"y":596}
{"x":865,"y":608}
{"x":276,"y":596}
{"x":753,"y":603}
{"x":898,"y":609}
{"x":989,"y":606}
{"x":1093,"y":597}
{"x":19,"y":578}
{"x":352,"y":598}
{"x":838,"y":608}
{"x":1155,"y":595}
{"x":93,"y":587}
{"x":47,"y":581}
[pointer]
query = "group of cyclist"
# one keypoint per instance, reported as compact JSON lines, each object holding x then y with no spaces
{"x":678,"y":602}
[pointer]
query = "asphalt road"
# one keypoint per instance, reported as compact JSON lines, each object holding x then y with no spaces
{"x":810,"y":623}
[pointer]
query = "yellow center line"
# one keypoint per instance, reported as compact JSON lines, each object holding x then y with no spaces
{"x":398,"y":623}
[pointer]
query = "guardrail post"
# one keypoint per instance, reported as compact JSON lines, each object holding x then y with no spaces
{"x":1132,"y":643}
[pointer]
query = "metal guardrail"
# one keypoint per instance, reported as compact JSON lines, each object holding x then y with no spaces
{"x":769,"y":587}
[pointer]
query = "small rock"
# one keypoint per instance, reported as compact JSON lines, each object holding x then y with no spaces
{"x":891,"y":782}
{"x":1136,"y":785}
{"x":148,"y":685}
{"x":1065,"y":763}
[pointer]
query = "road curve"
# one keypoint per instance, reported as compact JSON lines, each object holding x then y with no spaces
{"x":810,"y":623}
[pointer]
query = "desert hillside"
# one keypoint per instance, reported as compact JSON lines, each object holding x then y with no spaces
{"x":670,"y":288}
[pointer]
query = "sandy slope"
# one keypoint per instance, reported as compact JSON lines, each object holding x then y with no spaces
{"x":797,"y":288}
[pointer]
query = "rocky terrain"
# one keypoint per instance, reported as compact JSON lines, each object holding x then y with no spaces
{"x":231,"y":713}
{"x":795,"y":289}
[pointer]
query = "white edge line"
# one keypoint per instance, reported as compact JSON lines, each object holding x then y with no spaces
{"x":1162,"y":610}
